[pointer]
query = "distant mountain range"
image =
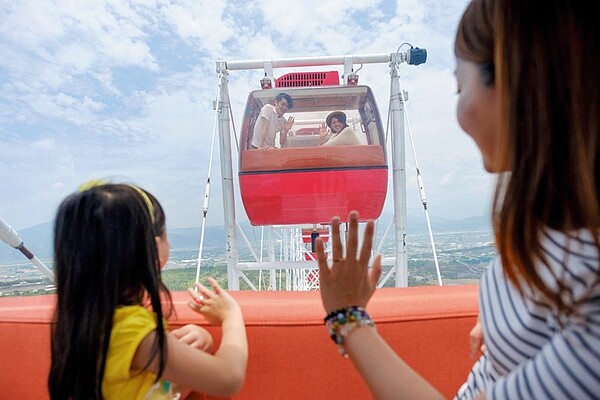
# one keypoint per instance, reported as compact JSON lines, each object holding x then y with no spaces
{"x":38,"y":238}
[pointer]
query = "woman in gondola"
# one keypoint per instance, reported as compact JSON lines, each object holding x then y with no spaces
{"x":340,"y":134}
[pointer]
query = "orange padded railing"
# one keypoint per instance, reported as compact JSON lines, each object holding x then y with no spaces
{"x":291,"y":356}
{"x":311,"y":157}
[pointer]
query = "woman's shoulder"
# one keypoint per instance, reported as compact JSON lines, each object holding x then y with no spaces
{"x":578,"y":245}
{"x":346,"y":137}
{"x":572,"y":261}
{"x":350,"y":135}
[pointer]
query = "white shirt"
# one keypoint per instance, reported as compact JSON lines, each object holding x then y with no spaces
{"x":346,"y":137}
{"x":268,"y":117}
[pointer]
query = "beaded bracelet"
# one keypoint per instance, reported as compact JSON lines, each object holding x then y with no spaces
{"x":341,"y":322}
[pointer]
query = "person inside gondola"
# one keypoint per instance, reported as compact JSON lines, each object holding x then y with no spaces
{"x":271,"y":121}
{"x":339,"y":133}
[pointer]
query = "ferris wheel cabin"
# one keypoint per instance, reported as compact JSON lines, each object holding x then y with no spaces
{"x":303,"y":182}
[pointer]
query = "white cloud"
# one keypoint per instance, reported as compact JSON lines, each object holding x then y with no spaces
{"x":125,"y":88}
{"x":201,"y":22}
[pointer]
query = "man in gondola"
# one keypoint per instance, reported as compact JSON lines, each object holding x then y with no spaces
{"x":271,"y":121}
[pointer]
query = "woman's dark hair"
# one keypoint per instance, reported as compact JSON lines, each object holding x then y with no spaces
{"x":546,"y":59}
{"x":340,"y":116}
{"x":475,"y":39}
{"x":105,"y":257}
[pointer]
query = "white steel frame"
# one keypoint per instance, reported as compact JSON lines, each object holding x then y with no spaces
{"x":299,"y":271}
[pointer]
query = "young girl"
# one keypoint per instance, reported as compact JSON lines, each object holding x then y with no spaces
{"x":110,"y":339}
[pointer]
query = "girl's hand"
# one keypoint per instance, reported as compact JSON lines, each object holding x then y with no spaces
{"x":195,"y":336}
{"x":348,"y":282}
{"x":215,"y":305}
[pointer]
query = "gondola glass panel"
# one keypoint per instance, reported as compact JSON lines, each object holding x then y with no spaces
{"x":304,"y":182}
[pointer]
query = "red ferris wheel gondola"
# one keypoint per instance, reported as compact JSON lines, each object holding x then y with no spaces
{"x":302,"y":182}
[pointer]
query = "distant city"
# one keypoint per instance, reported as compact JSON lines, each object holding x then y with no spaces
{"x":462,"y":258}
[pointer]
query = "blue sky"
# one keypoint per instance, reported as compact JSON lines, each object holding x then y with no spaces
{"x":124,"y":89}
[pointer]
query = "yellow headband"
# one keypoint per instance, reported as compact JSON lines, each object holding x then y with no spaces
{"x":99,"y":182}
{"x":146,"y":200}
{"x":91,"y":184}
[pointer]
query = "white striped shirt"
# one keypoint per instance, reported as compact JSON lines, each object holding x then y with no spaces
{"x":532,"y":351}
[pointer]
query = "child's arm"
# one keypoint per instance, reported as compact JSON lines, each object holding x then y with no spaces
{"x":221,"y":374}
{"x":195,"y":336}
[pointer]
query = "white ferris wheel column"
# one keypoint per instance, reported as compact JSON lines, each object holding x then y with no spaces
{"x":414,"y":56}
{"x":227,"y":179}
{"x":398,"y":173}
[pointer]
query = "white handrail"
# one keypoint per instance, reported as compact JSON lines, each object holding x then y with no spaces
{"x":12,"y":238}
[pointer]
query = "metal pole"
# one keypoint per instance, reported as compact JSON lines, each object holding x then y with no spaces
{"x":233,"y":282}
{"x":272,"y":273}
{"x":12,"y":238}
{"x":422,"y":191}
{"x":207,"y":190}
{"x":398,"y":176}
{"x":306,"y":61}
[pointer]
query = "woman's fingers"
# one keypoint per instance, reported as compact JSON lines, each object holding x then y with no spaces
{"x":375,"y":272}
{"x":365,"y":251}
{"x":352,"y":239}
{"x":322,"y":259}
{"x":348,"y":281}
{"x":337,"y":250}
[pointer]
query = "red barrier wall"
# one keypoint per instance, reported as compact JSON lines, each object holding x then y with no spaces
{"x":291,"y":356}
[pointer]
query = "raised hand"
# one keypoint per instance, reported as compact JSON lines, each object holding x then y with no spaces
{"x":323,"y":129}
{"x":348,"y":281}
{"x":215,"y":305}
{"x":287,"y":125}
{"x":323,"y":132}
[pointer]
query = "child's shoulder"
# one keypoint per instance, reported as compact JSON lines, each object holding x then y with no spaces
{"x":134,"y":313}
